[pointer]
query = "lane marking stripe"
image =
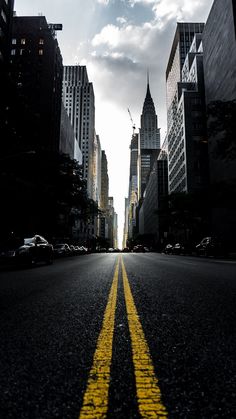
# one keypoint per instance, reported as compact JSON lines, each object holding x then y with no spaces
{"x":95,"y":402}
{"x":148,"y":391}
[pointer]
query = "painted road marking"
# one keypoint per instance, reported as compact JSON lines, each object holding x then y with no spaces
{"x":148,"y":391}
{"x":95,"y":402}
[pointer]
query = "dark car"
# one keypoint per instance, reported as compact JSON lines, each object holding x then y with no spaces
{"x":61,"y":249}
{"x":168,"y":249}
{"x":211,"y":246}
{"x":178,"y":249}
{"x":27,"y":251}
{"x":139,"y":249}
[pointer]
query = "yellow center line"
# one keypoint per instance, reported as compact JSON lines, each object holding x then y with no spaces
{"x":95,"y":402}
{"x":148,"y":391}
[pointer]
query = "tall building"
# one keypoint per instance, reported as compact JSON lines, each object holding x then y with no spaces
{"x":104,"y":197}
{"x":219,"y":43}
{"x":133,"y":185}
{"x":152,"y":224}
{"x":149,"y":141}
{"x":36,"y":69}
{"x":110,"y":218}
{"x":126,"y":223}
{"x":78,"y":99}
{"x":104,"y":182}
{"x":180,"y":47}
{"x":187,"y":139}
{"x":95,"y":178}
{"x":186,"y":128}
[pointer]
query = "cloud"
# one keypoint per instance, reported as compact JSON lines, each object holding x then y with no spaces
{"x":105,"y":2}
{"x":121,"y":20}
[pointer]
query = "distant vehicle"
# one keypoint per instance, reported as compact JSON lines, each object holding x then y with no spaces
{"x":126,"y":250}
{"x":168,"y":249}
{"x":27,"y":250}
{"x":110,"y":250}
{"x":139,"y":249}
{"x":61,"y":249}
{"x":178,"y":249}
{"x":211,"y":246}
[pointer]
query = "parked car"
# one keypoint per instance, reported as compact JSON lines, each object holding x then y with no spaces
{"x":83,"y":250}
{"x":139,"y":249}
{"x":61,"y":249}
{"x":27,"y":250}
{"x":211,"y":246}
{"x":178,"y":249}
{"x":168,"y":249}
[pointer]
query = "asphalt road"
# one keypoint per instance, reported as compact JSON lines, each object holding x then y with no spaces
{"x":131,"y":336}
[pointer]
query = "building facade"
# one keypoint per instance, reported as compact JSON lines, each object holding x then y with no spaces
{"x":78,"y":99}
{"x":152,"y":224}
{"x":104,"y":197}
{"x":36,"y":70}
{"x":219,"y":44}
{"x":180,"y":47}
{"x":186,"y":130}
{"x":6,"y":17}
{"x":133,"y":185}
{"x":187,"y":139}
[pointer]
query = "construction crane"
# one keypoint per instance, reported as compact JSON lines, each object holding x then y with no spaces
{"x":133,"y":124}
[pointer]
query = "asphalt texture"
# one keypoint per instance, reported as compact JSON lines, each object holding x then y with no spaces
{"x":51,"y":317}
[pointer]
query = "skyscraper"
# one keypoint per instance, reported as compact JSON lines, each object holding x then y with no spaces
{"x":180,"y":47}
{"x":133,"y":184}
{"x":36,"y":69}
{"x":149,"y":141}
{"x":104,"y":197}
{"x":186,"y":130}
{"x":78,"y":98}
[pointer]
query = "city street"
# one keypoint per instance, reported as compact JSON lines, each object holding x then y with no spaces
{"x":69,"y":349}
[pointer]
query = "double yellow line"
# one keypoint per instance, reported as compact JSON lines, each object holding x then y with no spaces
{"x":95,"y":402}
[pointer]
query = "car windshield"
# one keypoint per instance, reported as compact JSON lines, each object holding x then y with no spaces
{"x":29,"y":241}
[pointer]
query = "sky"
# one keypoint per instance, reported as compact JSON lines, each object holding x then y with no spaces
{"x":119,"y":41}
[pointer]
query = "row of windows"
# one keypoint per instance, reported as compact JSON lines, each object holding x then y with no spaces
{"x":23,"y":41}
{"x":25,"y":51}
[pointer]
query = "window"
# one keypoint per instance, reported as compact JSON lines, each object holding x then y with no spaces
{"x":14,"y":41}
{"x":13,"y":52}
{"x":41,"y":41}
{"x":23,"y":41}
{"x":40,"y":51}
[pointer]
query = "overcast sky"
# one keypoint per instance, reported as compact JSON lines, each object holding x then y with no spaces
{"x":118,"y":40}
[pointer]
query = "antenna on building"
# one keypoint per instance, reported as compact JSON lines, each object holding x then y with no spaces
{"x":133,"y":124}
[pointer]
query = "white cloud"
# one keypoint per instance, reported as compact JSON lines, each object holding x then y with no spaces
{"x":121,"y":20}
{"x":105,"y":2}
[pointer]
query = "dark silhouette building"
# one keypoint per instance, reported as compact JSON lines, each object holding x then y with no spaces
{"x":219,"y":44}
{"x":36,"y":70}
{"x":6,"y":16}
